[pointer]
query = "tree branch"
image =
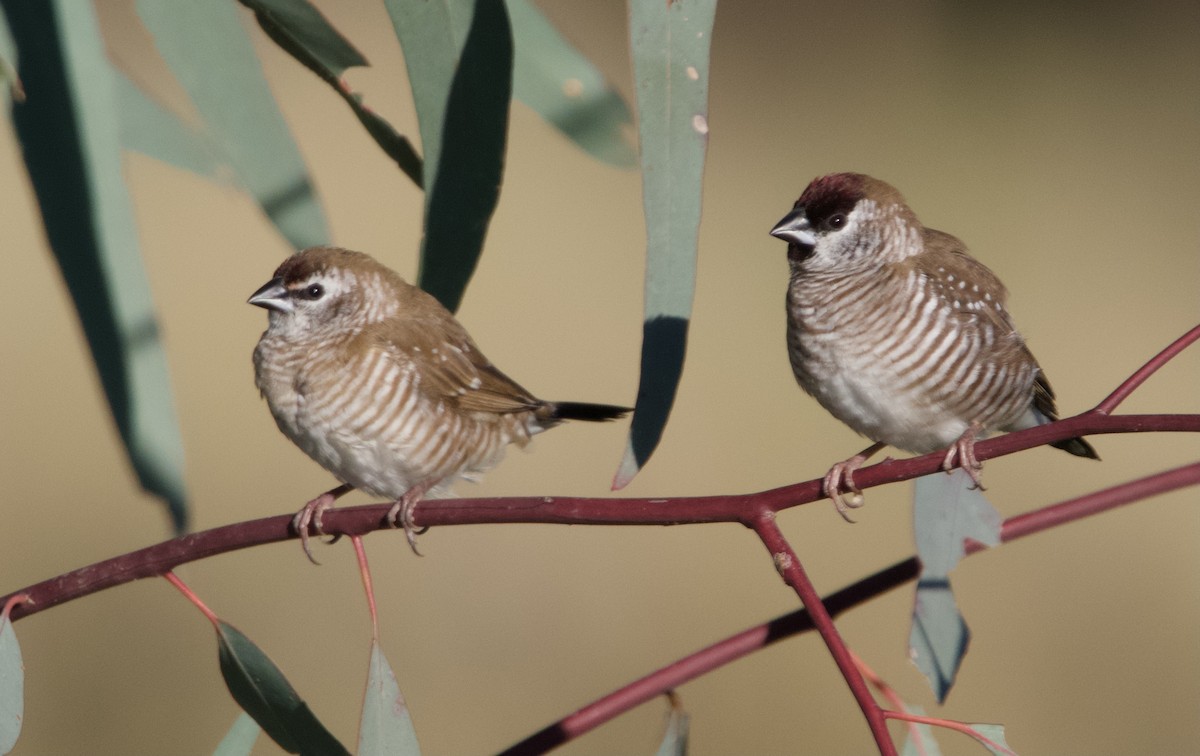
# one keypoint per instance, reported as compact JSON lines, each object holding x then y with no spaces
{"x":794,"y":623}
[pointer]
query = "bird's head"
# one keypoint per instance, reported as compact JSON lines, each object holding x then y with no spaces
{"x":328,"y":289}
{"x":849,"y":220}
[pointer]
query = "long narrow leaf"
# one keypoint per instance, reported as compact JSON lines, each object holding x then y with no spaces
{"x":301,"y":30}
{"x":151,"y":129}
{"x":462,"y":192}
{"x":208,"y":50}
{"x":265,"y":694}
{"x":670,"y":57}
{"x":564,"y":88}
{"x":69,"y":133}
{"x":426,"y":34}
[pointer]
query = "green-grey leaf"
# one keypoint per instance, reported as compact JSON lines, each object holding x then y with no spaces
{"x":301,"y":30}
{"x":69,"y":133}
{"x":564,"y":88}
{"x":265,"y":694}
{"x":939,"y":637}
{"x":386,"y":728}
{"x":670,"y":44}
{"x":948,"y":510}
{"x":208,"y":50}
{"x":240,"y":739}
{"x":426,"y":34}
{"x":462,"y":192}
{"x":675,"y":739}
{"x":12,"y":686}
{"x":994,"y":733}
{"x":151,"y":129}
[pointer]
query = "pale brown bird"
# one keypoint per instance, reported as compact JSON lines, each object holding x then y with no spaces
{"x":900,"y":333}
{"x":376,"y":381}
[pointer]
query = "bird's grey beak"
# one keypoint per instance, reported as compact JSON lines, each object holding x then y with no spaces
{"x":795,"y":228}
{"x":272,"y":296}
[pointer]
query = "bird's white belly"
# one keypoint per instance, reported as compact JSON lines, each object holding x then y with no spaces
{"x":860,"y":397}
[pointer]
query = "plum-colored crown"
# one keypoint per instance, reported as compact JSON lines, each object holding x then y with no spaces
{"x":831,"y":195}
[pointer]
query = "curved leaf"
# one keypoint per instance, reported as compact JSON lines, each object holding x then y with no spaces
{"x":670,"y":42}
{"x":209,"y":52}
{"x":386,"y":727}
{"x":68,"y":128}
{"x":10,"y":83}
{"x":462,"y":191}
{"x":564,"y":88}
{"x":265,"y":694}
{"x":301,"y":30}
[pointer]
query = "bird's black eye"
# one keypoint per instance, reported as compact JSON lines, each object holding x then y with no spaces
{"x":314,"y":291}
{"x":835,"y":221}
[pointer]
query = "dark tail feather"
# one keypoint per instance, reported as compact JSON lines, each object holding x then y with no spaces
{"x":595,"y":413}
{"x":1078,"y":447}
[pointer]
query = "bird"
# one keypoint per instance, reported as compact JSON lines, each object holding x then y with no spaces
{"x":900,"y":334}
{"x":378,"y":383}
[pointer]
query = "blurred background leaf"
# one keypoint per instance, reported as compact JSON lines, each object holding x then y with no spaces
{"x":208,"y":50}
{"x":301,"y":30}
{"x":69,"y":129}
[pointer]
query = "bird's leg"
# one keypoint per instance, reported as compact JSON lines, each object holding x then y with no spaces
{"x":841,"y":476}
{"x":401,"y":513}
{"x":962,"y":454}
{"x":311,"y":514}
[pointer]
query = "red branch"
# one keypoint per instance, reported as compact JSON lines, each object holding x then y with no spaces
{"x":795,"y":623}
{"x":159,"y":559}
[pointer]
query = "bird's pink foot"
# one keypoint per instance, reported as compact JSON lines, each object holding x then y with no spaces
{"x":962,"y":454}
{"x":840,"y":481}
{"x":401,"y":514}
{"x":311,"y":514}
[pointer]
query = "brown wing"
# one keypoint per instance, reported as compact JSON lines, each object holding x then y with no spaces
{"x":452,"y":369}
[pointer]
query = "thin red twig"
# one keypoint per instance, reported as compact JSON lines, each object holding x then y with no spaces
{"x":1145,"y":371}
{"x":174,"y":580}
{"x":794,"y":623}
{"x":792,"y":571}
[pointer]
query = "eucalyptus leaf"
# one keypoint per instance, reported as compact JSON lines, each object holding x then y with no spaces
{"x":563,"y":87}
{"x":207,"y":49}
{"x":462,"y":192}
{"x":386,"y":728}
{"x":69,"y":130}
{"x":670,"y":43}
{"x":265,"y":694}
{"x":12,"y":686}
{"x":948,"y":510}
{"x":301,"y":30}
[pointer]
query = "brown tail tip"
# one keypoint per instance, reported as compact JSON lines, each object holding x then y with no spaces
{"x":1078,"y":447}
{"x":595,"y":413}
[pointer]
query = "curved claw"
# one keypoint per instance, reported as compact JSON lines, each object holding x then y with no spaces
{"x":840,"y":481}
{"x":962,"y":454}
{"x":401,"y":515}
{"x":839,"y":477}
{"x":311,"y":514}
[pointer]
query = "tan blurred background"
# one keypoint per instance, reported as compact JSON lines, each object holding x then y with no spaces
{"x":1062,"y":143}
